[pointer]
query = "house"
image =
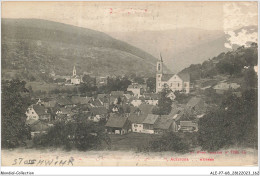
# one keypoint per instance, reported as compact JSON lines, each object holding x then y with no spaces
{"x":98,"y":113}
{"x":37,"y":112}
{"x":151,"y":102}
{"x":105,"y":102}
{"x":134,"y":110}
{"x":165,"y":124}
{"x":39,"y":127}
{"x":101,"y":81}
{"x":146,"y":108}
{"x":151,"y":96}
{"x":148,"y":123}
{"x":171,"y":95}
{"x":195,"y":105}
{"x":137,"y":122}
{"x":136,"y":102}
{"x":50,"y":104}
{"x":118,"y":125}
{"x":117,"y":93}
{"x":64,"y":102}
{"x":80,"y":100}
{"x":224,"y":86}
{"x":175,"y":82}
{"x":128,"y":96}
{"x":96,"y":103}
{"x":188,"y":126}
{"x":136,"y":89}
{"x":64,"y":114}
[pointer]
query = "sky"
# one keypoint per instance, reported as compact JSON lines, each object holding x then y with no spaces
{"x":138,"y":16}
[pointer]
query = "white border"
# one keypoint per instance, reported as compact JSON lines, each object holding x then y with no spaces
{"x":201,"y":170}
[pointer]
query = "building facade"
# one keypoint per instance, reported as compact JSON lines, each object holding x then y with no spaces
{"x":175,"y":82}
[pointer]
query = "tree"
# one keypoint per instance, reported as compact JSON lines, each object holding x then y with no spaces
{"x":82,"y":135}
{"x":250,"y":79}
{"x":15,"y":101}
{"x":233,"y":123}
{"x":151,"y":84}
{"x":139,"y":80}
{"x":164,"y":103}
{"x":89,"y":80}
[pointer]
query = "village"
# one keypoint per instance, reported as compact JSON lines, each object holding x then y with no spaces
{"x":131,"y":111}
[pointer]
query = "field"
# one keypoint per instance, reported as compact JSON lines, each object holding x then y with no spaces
{"x":131,"y":141}
{"x":42,"y":86}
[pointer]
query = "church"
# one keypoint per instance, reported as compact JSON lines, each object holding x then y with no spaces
{"x":175,"y":82}
{"x":75,"y":79}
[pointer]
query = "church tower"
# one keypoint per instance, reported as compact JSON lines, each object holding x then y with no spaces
{"x":74,"y":71}
{"x":159,"y":73}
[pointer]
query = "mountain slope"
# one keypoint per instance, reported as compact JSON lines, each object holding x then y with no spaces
{"x":36,"y":45}
{"x":182,"y":47}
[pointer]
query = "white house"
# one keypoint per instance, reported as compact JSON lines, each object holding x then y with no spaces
{"x":136,"y":102}
{"x":176,"y":82}
{"x":136,"y":89}
{"x":149,"y":122}
{"x":37,"y":112}
{"x":137,"y":122}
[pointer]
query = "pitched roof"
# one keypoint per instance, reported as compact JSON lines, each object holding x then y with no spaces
{"x":79,"y":100}
{"x":128,"y":96}
{"x":134,"y":109}
{"x":117,"y":93}
{"x":66,"y":110}
{"x":116,"y":122}
{"x":184,"y":76}
{"x":50,"y":104}
{"x":163,"y":123}
{"x":101,"y":96}
{"x":104,"y":100}
{"x":151,"y":119}
{"x":146,"y":108}
{"x":64,"y":101}
{"x":96,"y":102}
{"x":135,"y":86}
{"x":193,"y":101}
{"x":134,"y":118}
{"x":188,"y":124}
{"x":30,"y":121}
{"x":166,"y":77}
{"x":98,"y":110}
{"x":40,"y":110}
{"x":153,"y":96}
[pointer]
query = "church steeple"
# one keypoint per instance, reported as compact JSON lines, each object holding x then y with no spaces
{"x":74,"y":71}
{"x":160,"y":65}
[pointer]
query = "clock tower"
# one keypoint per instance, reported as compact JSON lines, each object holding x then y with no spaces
{"x":159,"y":73}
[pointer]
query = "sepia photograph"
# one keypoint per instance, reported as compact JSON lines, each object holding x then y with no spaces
{"x":126,"y":83}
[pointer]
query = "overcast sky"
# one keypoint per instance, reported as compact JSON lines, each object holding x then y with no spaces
{"x":138,"y":16}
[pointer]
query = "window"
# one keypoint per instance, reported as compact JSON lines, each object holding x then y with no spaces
{"x":178,"y":84}
{"x":32,"y":112}
{"x":159,"y":76}
{"x":135,"y":125}
{"x":135,"y":129}
{"x":159,"y":84}
{"x":185,"y":84}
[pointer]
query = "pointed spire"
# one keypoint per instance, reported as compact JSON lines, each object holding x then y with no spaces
{"x":161,"y":57}
{"x":74,"y":71}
